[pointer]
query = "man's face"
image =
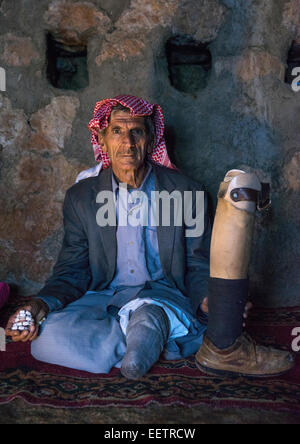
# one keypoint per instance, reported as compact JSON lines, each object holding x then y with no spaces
{"x":125,"y":141}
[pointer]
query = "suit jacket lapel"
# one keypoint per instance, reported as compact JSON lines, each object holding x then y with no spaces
{"x":165,"y":234}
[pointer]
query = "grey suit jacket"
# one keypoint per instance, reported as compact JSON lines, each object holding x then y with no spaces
{"x":87,"y":259}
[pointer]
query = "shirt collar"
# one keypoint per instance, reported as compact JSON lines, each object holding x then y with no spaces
{"x":115,"y":184}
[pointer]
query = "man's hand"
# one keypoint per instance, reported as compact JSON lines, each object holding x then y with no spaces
{"x":39,"y":310}
{"x":249,"y":305}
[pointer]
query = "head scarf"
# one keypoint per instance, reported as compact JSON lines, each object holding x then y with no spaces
{"x":137,"y":107}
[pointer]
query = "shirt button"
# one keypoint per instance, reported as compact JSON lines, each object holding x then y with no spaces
{"x":130,"y":243}
{"x":131,"y":271}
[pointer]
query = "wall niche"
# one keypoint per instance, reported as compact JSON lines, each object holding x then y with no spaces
{"x":189,"y":63}
{"x":66,"y":65}
{"x":293,"y":61}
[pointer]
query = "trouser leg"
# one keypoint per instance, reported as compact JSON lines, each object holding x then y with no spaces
{"x":227,"y":300}
{"x":147,"y":333}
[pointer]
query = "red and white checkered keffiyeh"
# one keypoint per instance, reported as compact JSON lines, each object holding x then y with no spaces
{"x":138,"y":107}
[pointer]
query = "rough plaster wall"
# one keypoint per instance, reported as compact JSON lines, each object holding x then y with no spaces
{"x":246,"y":115}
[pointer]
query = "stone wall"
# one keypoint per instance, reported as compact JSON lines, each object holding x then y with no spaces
{"x":244,"y":115}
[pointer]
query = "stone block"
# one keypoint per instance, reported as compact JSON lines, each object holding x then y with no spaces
{"x":18,"y":51}
{"x":73,"y":23}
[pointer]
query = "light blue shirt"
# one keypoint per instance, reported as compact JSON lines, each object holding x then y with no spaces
{"x":138,"y":258}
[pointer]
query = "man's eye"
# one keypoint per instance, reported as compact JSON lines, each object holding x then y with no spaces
{"x":138,"y":132}
{"x":116,"y":131}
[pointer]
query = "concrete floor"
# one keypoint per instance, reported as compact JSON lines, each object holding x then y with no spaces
{"x":19,"y":412}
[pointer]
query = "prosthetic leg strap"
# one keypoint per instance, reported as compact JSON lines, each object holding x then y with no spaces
{"x":261,"y":198}
{"x":244,"y":194}
{"x":226,"y":302}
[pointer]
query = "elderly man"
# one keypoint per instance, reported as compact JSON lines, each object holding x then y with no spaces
{"x":122,"y":293}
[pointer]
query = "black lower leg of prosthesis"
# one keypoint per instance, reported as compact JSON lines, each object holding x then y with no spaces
{"x":147,"y":333}
{"x":226,"y":303}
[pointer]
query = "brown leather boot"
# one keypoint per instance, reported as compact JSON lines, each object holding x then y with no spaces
{"x":243,"y":358}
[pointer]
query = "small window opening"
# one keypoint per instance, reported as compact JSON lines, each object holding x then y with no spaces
{"x":66,"y":65}
{"x":189,"y":63}
{"x":293,"y":61}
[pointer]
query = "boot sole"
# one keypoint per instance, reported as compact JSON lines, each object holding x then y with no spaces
{"x":227,"y":373}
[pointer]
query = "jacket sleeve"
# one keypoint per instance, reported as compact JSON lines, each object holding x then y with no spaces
{"x":71,"y":274}
{"x":197,"y":259}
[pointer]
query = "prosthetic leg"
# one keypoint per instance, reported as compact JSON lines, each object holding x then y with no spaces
{"x":226,"y":350}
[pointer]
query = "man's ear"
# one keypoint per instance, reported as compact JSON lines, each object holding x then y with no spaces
{"x":101,"y":141}
{"x":150,"y":146}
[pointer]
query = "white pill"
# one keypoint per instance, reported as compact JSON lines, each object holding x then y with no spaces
{"x":25,"y":324}
{"x":28,"y":313}
{"x":14,"y":327}
{"x":21,"y":328}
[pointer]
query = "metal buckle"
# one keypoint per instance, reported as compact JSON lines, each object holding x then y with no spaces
{"x":264,"y":197}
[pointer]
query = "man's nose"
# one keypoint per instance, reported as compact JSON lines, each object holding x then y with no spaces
{"x":128,"y":139}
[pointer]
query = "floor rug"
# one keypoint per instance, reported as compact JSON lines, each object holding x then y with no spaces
{"x":168,"y":383}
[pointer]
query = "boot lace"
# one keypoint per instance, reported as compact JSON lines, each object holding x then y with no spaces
{"x":253,"y":344}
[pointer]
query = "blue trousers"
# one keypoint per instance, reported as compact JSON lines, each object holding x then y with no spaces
{"x":85,"y":336}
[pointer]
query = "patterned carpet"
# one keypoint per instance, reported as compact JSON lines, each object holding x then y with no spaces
{"x":168,"y":383}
